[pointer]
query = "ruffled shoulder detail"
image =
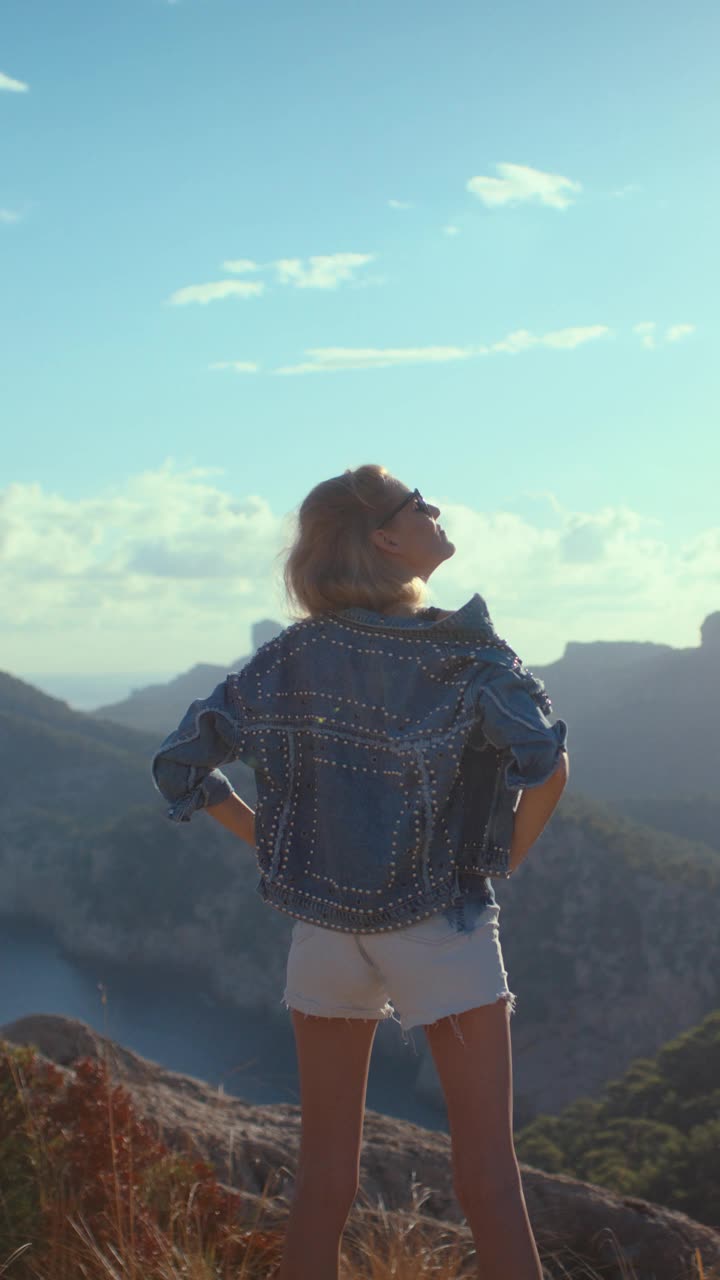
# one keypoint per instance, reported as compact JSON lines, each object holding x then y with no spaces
{"x":530,"y":682}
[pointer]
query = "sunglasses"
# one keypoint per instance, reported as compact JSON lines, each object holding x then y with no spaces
{"x":420,"y":505}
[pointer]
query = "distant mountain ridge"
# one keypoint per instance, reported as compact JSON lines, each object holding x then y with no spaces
{"x":74,"y":765}
{"x":644,"y":722}
{"x":644,"y":719}
{"x":157,"y":708}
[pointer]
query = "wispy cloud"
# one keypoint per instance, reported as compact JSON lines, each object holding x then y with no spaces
{"x":678,"y":331}
{"x":333,"y":359}
{"x":451,"y":230}
{"x":238,"y":366}
{"x":337,"y":359}
{"x":215,"y":290}
{"x":12,"y":86}
{"x":400,"y":204}
{"x":647,"y":332}
{"x":519,"y":183}
{"x":560,"y":339}
{"x":9,"y":215}
{"x":324,"y":271}
{"x":240,"y":265}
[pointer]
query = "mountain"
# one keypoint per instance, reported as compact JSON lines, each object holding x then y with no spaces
{"x":71,"y":765}
{"x":255,"y":1149}
{"x":157,"y":708}
{"x":644,"y":719}
{"x":644,"y":723}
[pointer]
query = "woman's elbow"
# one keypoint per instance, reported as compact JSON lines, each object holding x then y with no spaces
{"x":562,"y":772}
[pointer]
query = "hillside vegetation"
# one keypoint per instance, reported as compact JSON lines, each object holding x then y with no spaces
{"x":654,"y":1132}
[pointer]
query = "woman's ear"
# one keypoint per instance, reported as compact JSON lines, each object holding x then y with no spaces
{"x":383,"y":539}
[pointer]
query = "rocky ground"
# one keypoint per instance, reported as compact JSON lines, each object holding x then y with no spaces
{"x":255,"y":1148}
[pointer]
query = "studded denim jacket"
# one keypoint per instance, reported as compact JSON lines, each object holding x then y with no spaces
{"x":388,"y":753}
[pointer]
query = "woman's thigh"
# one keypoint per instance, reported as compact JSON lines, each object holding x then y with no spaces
{"x":475,"y":1072}
{"x":333,"y":1064}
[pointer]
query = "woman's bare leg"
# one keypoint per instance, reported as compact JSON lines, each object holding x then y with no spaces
{"x":476,"y":1078}
{"x":333,"y":1064}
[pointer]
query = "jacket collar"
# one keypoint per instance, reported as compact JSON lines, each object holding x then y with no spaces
{"x":470,"y":619}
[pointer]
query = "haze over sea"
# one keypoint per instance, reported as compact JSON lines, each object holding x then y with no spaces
{"x":246,"y":247}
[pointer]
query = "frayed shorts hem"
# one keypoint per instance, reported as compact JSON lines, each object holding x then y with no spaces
{"x":408,"y":1022}
{"x":411,"y":1020}
{"x":303,"y":1005}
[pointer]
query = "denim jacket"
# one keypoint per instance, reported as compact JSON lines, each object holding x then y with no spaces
{"x":388,"y":754}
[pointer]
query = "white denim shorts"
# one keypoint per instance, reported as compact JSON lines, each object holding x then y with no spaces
{"x":427,"y":971}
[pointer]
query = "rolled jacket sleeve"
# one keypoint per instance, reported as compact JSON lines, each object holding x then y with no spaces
{"x":513,"y":708}
{"x":184,"y":768}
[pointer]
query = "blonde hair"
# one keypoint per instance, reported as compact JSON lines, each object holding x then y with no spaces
{"x":333,"y":562}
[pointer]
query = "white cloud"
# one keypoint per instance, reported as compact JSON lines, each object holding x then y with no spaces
{"x":520,"y":340}
{"x":12,"y":86}
{"x":647,"y":332}
{"x":326,"y":271}
{"x":240,"y":265}
{"x":451,"y":230}
{"x":521,"y":183}
{"x":573,"y":575}
{"x":400,"y":204}
{"x":560,"y":339}
{"x":239,"y":366}
{"x":568,"y":339}
{"x":333,"y":359}
{"x":130,"y":569}
{"x":678,"y":331}
{"x":336,"y":359}
{"x":171,"y":568}
{"x":217,"y":289}
{"x":9,"y":215}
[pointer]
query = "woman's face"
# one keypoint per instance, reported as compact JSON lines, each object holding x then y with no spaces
{"x":414,"y":535}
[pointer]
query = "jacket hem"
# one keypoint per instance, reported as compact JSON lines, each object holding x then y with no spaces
{"x":331,"y":915}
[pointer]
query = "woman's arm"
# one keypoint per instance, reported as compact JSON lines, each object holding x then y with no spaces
{"x":534,"y":811}
{"x":185,"y":768}
{"x":234,"y":814}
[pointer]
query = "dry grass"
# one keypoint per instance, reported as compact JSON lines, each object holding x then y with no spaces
{"x":128,"y":1237}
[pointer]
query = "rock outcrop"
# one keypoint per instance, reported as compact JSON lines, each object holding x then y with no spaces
{"x":255,"y":1148}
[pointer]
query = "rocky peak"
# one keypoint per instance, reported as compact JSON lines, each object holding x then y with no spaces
{"x":710,"y":632}
{"x":264,"y":631}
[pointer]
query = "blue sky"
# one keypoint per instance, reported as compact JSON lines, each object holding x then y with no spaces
{"x":244,"y":247}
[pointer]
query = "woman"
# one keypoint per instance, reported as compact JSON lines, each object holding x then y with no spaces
{"x":403,"y":758}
